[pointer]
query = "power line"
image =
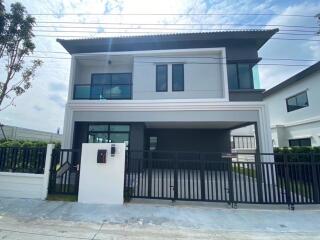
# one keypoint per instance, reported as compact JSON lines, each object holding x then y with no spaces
{"x":181,"y":24}
{"x":159,"y":33}
{"x":145,"y":28}
{"x":86,"y":31}
{"x":173,"y":14}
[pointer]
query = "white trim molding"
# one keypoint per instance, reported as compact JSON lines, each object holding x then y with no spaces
{"x":171,"y":105}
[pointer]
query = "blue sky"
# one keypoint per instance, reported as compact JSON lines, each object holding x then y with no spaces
{"x":42,"y":107}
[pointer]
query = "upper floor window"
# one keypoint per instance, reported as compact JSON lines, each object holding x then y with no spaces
{"x":177,"y":77}
{"x":105,"y":86}
{"x":162,"y":78}
{"x":240,"y":76}
{"x":302,"y":142}
{"x":297,"y":101}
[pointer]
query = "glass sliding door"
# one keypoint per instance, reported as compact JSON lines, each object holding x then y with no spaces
{"x":109,"y":133}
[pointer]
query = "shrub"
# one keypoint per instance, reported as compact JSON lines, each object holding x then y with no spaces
{"x":297,"y":154}
{"x":27,"y":143}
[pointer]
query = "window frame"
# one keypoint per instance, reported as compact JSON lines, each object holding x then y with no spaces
{"x":166,"y":67}
{"x":299,"y":141}
{"x":111,"y":85}
{"x":108,"y":131}
{"x":295,"y":96}
{"x":180,"y":90}
{"x":238,"y":78}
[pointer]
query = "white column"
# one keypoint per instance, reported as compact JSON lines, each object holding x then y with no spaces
{"x":46,"y":173}
{"x":102,"y":182}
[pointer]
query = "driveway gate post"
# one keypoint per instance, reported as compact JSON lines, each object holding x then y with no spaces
{"x":259,"y":177}
{"x":230,"y":181}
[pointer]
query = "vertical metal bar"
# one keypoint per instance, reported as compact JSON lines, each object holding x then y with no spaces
{"x":259,"y":177}
{"x":244,"y":176}
{"x":268,"y":182}
{"x":149,"y":174}
{"x":175,"y":177}
{"x":202,"y":180}
{"x":230,"y":182}
{"x":234,"y":174}
{"x":278,"y":181}
{"x":240,"y":184}
{"x":287,"y":180}
{"x":189,"y":185}
{"x":274,"y":198}
{"x":315,"y":186}
{"x":250,"y":177}
{"x":215,"y":170}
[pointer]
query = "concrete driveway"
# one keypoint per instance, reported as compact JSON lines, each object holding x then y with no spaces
{"x":33,"y":219}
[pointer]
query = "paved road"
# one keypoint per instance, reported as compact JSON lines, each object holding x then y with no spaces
{"x":31,"y":219}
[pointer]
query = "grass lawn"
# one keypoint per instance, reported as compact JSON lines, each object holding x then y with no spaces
{"x":62,"y":197}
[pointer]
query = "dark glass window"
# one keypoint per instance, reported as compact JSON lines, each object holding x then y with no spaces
{"x":245,"y":76}
{"x":161,"y":78}
{"x":302,"y":142}
{"x":177,"y":77}
{"x":297,"y":101}
{"x":240,"y":76}
{"x":111,"y":86}
{"x":106,"y":133}
{"x":233,"y":76}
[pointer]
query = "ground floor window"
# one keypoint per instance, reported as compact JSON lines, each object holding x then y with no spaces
{"x":108,"y":133}
{"x":302,"y":142}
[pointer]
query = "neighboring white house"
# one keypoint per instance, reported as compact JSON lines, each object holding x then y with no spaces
{"x":172,"y":92}
{"x":294,"y":107}
{"x":18,"y":133}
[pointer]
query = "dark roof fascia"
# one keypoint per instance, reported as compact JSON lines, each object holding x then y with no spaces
{"x":166,"y":41}
{"x":299,"y":76}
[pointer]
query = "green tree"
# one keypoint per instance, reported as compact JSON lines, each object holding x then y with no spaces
{"x":16,"y":34}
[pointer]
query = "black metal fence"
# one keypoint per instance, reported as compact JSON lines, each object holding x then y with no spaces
{"x":65,"y":171}
{"x":24,"y":160}
{"x":218,"y":177}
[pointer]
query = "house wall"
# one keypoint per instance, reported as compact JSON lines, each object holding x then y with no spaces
{"x":301,"y":123}
{"x":203,"y":77}
{"x":83,"y":72}
{"x":204,"y":74}
{"x":169,"y":111}
{"x":21,"y":185}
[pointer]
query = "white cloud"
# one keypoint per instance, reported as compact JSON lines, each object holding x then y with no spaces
{"x":272,"y":75}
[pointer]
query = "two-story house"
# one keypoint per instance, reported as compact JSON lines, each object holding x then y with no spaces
{"x":173,"y":92}
{"x":294,"y":109}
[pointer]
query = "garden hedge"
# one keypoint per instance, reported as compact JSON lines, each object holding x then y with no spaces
{"x":26,"y":143}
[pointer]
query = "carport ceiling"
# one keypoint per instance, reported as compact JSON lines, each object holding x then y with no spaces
{"x":195,"y":125}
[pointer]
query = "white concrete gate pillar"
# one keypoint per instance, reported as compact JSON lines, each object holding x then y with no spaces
{"x":102,"y":182}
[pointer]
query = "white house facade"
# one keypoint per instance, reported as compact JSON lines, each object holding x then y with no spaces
{"x":175,"y":92}
{"x":294,"y":109}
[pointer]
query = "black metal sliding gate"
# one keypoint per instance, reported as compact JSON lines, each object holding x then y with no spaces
{"x":218,"y":177}
{"x":64,"y":171}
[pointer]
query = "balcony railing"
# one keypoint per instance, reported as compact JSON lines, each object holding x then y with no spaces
{"x":102,"y":91}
